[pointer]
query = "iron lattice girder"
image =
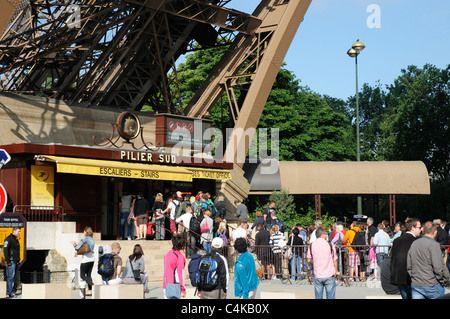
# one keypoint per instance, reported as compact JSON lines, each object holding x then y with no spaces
{"x":250,"y":66}
{"x":104,"y":61}
{"x":228,"y":19}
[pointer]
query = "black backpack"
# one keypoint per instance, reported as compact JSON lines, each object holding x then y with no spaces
{"x":207,"y":273}
{"x":194,"y":225}
{"x":359,"y":239}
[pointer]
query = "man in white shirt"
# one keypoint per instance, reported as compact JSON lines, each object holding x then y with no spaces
{"x":172,"y":208}
{"x":186,"y":220}
{"x":241,"y":231}
{"x":317,"y":224}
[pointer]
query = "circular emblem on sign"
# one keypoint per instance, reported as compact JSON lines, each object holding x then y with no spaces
{"x":42,"y":175}
{"x":128,"y":125}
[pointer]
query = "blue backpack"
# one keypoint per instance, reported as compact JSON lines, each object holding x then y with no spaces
{"x":207,"y":275}
{"x":106,"y":265}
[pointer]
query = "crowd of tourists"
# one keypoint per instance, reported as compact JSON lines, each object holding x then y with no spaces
{"x":408,"y":258}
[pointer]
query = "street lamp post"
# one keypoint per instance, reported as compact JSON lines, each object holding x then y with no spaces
{"x":353,"y":52}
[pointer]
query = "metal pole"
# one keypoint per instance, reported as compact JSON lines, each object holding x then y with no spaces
{"x":358,"y":154}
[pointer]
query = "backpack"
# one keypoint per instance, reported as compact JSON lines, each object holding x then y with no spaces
{"x":106,"y":265}
{"x":193,"y":268}
{"x":196,"y":208}
{"x":224,"y":238}
{"x":340,"y":241}
{"x":194,"y":225}
{"x":209,"y":206}
{"x":179,"y":209}
{"x":359,"y":239}
{"x":207,"y":273}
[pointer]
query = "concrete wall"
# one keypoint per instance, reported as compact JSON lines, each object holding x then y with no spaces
{"x":30,"y":119}
{"x":56,"y":237}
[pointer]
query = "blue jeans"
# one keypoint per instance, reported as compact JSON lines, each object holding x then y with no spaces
{"x":11,"y":273}
{"x":296,"y":266}
{"x":419,"y":292}
{"x":207,"y":246}
{"x":329,"y":284}
{"x":405,"y":291}
{"x":124,"y":218}
{"x":380,"y":258}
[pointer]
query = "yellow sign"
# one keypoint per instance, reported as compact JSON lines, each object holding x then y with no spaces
{"x":42,"y":185}
{"x":119,"y":169}
{"x":210,"y":173}
{"x":124,"y":172}
{"x":134,"y":170}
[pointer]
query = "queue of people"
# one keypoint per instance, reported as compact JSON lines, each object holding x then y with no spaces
{"x":162,"y":215}
{"x":412,"y":253}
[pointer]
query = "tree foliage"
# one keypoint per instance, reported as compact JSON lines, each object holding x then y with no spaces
{"x":410,"y":120}
{"x":406,"y":120}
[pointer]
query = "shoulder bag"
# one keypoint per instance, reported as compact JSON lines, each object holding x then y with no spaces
{"x":289,"y":253}
{"x":173,"y":291}
{"x":84,"y":249}
{"x":136,"y":272}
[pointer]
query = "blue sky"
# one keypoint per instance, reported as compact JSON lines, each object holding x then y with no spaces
{"x":410,"y":32}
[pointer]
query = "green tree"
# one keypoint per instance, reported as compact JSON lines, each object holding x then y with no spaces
{"x":409,"y":120}
{"x":309,"y":128}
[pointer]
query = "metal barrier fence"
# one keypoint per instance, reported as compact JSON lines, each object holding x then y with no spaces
{"x":41,"y":213}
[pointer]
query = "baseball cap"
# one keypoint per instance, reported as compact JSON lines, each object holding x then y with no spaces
{"x":217,"y":242}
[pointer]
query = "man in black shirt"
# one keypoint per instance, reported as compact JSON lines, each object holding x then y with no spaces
{"x":262,"y":239}
{"x":11,"y":249}
{"x":268,"y":214}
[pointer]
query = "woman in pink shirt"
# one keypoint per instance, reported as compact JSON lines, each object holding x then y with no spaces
{"x":324,"y":256}
{"x":174,"y":263}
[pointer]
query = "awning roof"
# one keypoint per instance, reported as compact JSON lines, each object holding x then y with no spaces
{"x":358,"y":178}
{"x":84,"y":166}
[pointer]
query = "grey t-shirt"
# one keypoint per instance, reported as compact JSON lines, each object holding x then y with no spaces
{"x":126,"y":202}
{"x":242,"y":211}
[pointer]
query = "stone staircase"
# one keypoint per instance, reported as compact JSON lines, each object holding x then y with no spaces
{"x":154,"y":252}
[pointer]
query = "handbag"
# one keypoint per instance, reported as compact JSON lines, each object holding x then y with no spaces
{"x":136,"y":272}
{"x":173,"y":291}
{"x":289,"y":253}
{"x":159,"y":214}
{"x":84,"y":249}
{"x":205,"y":227}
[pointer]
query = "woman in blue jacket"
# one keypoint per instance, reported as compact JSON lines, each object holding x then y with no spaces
{"x":87,"y":261}
{"x":245,"y":279}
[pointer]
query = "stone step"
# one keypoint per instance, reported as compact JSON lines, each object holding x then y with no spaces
{"x":154,"y":252}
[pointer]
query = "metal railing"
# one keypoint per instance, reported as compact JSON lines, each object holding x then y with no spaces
{"x":40,"y":213}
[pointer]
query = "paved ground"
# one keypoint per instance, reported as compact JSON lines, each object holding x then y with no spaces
{"x":358,"y":290}
{"x":355,"y":291}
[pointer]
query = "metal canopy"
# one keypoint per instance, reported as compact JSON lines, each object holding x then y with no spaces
{"x":341,"y":178}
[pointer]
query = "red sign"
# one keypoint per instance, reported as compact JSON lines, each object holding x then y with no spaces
{"x":3,"y":199}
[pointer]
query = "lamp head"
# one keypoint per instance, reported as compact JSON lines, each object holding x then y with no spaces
{"x":358,"y":46}
{"x":352,"y":53}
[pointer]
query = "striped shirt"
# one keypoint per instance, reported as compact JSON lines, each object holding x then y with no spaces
{"x":274,"y":241}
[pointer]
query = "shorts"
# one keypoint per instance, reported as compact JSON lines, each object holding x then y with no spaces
{"x":142,"y":219}
{"x":353,"y":258}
